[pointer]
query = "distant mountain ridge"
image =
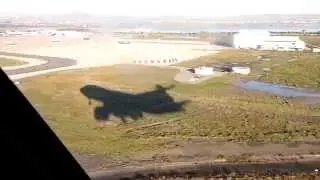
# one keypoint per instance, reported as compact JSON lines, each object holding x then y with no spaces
{"x":78,"y":16}
{"x":288,"y":21}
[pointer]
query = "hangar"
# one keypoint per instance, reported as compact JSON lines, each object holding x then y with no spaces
{"x":265,"y":41}
{"x":259,"y":39}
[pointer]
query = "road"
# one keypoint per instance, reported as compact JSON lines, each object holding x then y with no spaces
{"x":52,"y":63}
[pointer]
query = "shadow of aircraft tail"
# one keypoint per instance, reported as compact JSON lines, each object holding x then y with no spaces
{"x":126,"y":105}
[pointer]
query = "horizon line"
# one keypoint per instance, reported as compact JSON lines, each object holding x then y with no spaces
{"x":150,"y":16}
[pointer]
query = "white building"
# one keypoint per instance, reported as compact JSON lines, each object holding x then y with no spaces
{"x":241,"y":70}
{"x":264,"y":40}
{"x":204,"y":71}
{"x":249,"y":39}
{"x":285,"y":43}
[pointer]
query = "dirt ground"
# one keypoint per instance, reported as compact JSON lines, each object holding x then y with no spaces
{"x":203,"y":151}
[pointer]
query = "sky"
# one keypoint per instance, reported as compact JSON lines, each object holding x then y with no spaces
{"x":156,"y":8}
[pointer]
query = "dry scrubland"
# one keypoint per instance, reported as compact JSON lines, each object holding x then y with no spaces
{"x":218,"y":111}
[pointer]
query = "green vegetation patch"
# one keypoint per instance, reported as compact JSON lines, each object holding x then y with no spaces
{"x":311,"y":40}
{"x":304,"y":72}
{"x":228,"y":55}
{"x":299,"y":69}
{"x":10,"y":62}
{"x":241,"y":56}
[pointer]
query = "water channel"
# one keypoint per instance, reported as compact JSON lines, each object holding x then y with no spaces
{"x":280,"y":90}
{"x":311,"y":96}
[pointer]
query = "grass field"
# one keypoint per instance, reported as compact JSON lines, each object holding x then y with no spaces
{"x":243,"y":56}
{"x":304,"y":72}
{"x":312,"y":40}
{"x":300,"y":69}
{"x":229,"y":55}
{"x":10,"y":62}
{"x":217,"y":111}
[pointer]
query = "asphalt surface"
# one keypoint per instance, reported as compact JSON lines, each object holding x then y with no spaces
{"x":52,"y":63}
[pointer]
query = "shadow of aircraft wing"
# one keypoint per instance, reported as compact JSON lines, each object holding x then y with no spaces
{"x":125,"y":105}
{"x":168,"y":107}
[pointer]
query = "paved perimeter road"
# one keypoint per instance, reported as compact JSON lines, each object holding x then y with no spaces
{"x":52,"y":63}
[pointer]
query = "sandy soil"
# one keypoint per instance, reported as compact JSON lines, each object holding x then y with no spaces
{"x":105,"y":50}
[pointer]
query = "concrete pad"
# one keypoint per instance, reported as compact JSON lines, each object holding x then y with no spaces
{"x":102,"y":50}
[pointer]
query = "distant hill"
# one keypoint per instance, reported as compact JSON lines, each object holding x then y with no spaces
{"x":272,"y":21}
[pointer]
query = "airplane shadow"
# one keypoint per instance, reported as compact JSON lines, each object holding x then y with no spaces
{"x":126,"y":105}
